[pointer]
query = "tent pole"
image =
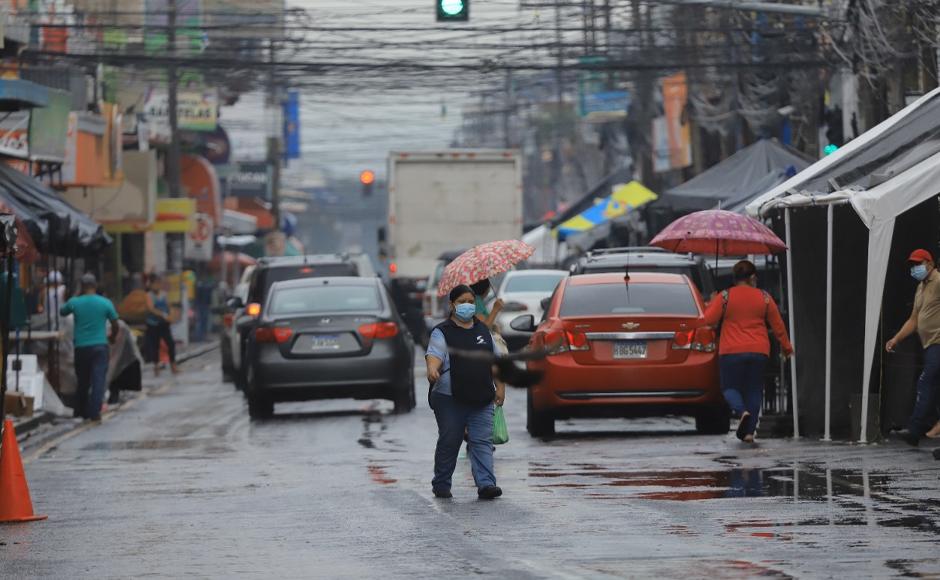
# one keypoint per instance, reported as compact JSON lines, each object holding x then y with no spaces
{"x":795,"y":404}
{"x":829,"y":220}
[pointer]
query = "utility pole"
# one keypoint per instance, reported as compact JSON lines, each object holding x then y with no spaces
{"x":274,"y":139}
{"x":173,"y":153}
{"x":508,"y":110}
{"x":559,"y":105}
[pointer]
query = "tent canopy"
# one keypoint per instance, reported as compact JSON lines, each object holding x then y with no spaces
{"x":624,"y":198}
{"x":748,"y":173}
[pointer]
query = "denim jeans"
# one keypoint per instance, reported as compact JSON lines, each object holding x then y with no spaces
{"x":742,"y":383}
{"x":91,"y":370}
{"x":452,"y":418}
{"x":925,"y":407}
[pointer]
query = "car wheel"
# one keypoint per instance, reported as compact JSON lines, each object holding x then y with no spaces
{"x":240,"y":382}
{"x":260,"y":403}
{"x":405,"y":398}
{"x":713,"y":422}
{"x":228,"y":371}
{"x":538,"y":423}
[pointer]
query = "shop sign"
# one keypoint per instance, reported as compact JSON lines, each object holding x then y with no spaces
{"x":195,"y":111}
{"x":175,"y":215}
{"x":14,"y":135}
{"x":250,"y":179}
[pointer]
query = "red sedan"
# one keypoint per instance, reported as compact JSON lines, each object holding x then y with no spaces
{"x":631,"y":346}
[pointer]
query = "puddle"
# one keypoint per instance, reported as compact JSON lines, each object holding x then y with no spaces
{"x":691,"y":485}
{"x":148,"y":444}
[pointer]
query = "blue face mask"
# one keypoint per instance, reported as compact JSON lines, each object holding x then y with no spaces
{"x":919,"y":272}
{"x":465,"y":312}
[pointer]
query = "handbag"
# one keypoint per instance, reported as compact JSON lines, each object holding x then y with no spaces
{"x":500,"y":431}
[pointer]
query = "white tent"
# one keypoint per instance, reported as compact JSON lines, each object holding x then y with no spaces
{"x":545,"y":243}
{"x":878,"y":207}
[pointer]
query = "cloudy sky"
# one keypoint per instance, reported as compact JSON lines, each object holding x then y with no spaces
{"x":352,"y":118}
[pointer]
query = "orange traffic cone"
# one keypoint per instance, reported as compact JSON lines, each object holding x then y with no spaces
{"x":15,"y":505}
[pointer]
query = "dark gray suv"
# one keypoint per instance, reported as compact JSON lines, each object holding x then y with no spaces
{"x":647,"y":259}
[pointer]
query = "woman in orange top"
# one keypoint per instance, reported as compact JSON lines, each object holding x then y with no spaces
{"x":744,"y":312}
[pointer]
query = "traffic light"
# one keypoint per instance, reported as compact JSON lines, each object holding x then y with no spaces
{"x":452,"y":10}
{"x":367,"y":179}
{"x":834,"y":133}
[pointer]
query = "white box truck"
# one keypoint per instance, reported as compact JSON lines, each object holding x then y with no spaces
{"x":445,"y":201}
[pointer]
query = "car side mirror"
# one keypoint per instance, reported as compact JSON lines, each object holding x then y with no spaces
{"x":545,"y":303}
{"x":524,"y":323}
{"x":234,"y":302}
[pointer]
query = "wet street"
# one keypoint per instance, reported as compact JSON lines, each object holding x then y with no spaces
{"x":182,"y":484}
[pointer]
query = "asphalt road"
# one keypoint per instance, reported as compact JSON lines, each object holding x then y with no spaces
{"x":182,"y":484}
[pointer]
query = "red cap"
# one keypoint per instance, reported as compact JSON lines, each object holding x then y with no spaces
{"x":919,"y":256}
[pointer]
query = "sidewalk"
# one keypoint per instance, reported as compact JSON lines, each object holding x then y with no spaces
{"x":28,"y":427}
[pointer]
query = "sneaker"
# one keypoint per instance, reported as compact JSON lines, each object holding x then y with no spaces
{"x":489,"y":492}
{"x":442,"y":493}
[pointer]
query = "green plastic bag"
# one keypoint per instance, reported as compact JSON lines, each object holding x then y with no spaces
{"x":500,"y":431}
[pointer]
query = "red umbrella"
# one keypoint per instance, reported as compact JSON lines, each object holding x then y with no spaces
{"x":718,"y":232}
{"x":483,"y":261}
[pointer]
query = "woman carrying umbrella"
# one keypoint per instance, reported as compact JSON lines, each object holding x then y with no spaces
{"x":744,"y":313}
{"x":463,"y":395}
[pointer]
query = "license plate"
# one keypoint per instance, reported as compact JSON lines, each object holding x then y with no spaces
{"x":324,"y":342}
{"x":630,"y":349}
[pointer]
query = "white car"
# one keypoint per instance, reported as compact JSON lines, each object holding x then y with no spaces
{"x":522,"y":292}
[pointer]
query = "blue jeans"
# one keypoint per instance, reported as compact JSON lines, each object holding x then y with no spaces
{"x":91,"y":371}
{"x":925,"y":407}
{"x":452,"y":418}
{"x":742,"y":383}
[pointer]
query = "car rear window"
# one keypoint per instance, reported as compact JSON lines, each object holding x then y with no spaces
{"x":325,"y":299}
{"x":692,"y":272}
{"x":268,"y":276}
{"x":614,"y":299}
{"x":544,"y":283}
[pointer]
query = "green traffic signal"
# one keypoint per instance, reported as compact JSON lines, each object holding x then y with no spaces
{"x":453,"y":10}
{"x":830,"y":149}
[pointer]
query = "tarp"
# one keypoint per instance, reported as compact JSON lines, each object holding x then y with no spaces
{"x":67,"y":226}
{"x":888,"y":149}
{"x":748,"y":173}
{"x":624,"y":198}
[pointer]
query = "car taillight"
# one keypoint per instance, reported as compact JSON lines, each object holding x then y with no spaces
{"x":379,"y":330}
{"x":704,"y":340}
{"x":683,"y":340}
{"x":228,"y":320}
{"x":253,"y":309}
{"x":515,"y":307}
{"x":278,"y":334}
{"x":577,"y":340}
{"x":700,"y":340}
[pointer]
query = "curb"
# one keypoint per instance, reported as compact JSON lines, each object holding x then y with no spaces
{"x":28,"y":426}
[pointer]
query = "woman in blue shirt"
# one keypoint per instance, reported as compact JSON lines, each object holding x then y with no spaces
{"x":463,"y":395}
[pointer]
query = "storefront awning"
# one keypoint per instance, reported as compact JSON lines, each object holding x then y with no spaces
{"x":16,"y":94}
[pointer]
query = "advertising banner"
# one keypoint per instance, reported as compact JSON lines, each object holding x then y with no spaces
{"x":197,"y":245}
{"x":674,"y":132}
{"x":14,"y":134}
{"x":292,"y":126}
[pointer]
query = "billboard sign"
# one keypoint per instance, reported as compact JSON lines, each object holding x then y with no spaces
{"x":250,"y":179}
{"x":195,"y":111}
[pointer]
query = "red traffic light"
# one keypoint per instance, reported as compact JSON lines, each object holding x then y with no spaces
{"x":367,"y":177}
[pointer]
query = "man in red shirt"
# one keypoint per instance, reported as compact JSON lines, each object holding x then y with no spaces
{"x":744,"y":312}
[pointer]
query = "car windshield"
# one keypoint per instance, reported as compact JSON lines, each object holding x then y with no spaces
{"x":613,"y":299}
{"x":542,"y":283}
{"x":325,"y":299}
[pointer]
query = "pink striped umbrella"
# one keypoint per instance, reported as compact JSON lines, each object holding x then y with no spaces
{"x":483,"y":261}
{"x":718,"y":232}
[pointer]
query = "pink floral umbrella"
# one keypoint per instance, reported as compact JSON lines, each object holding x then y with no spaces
{"x":718,"y":232}
{"x":483,"y":261}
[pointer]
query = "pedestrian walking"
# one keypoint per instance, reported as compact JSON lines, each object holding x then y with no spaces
{"x":480,"y":290}
{"x":463,"y":395}
{"x":158,"y":324}
{"x":925,"y":321}
{"x":743,"y":313}
{"x":92,"y":314}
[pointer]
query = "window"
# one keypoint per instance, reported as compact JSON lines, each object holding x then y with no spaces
{"x":541,"y":283}
{"x":265,"y":277}
{"x":325,"y":299}
{"x":626,"y":299}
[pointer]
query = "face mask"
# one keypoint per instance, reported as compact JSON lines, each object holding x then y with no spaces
{"x":465,"y":312}
{"x":919,"y":272}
